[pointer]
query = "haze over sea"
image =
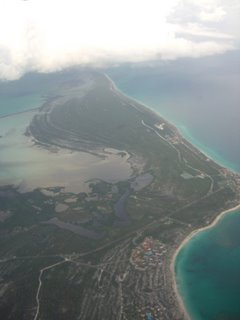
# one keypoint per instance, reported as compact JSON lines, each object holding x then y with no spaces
{"x":202,"y":98}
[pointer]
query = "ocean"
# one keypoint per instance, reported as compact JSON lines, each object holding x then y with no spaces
{"x":202,"y":98}
{"x":207,"y":271}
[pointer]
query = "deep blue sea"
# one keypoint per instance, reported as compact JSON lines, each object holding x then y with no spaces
{"x":202,"y":98}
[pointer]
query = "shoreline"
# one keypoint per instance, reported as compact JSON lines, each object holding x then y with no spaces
{"x":182,"y":307}
{"x":180,"y":301}
{"x":180,"y":247}
{"x":171,"y":123}
{"x":142,"y":104}
{"x":210,"y":157}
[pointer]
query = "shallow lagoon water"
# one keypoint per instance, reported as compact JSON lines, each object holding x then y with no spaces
{"x":29,"y":166}
{"x":11,"y":105}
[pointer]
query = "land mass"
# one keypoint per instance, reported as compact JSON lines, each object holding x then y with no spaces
{"x":106,"y":253}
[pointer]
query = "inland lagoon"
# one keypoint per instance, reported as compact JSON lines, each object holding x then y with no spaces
{"x":27,"y":165}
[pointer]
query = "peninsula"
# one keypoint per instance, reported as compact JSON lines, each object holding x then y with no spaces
{"x":106,"y":252}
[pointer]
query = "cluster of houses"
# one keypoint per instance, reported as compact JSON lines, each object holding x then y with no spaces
{"x":147,"y":254}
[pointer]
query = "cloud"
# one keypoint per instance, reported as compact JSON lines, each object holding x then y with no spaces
{"x":41,"y":35}
{"x":212,"y":14}
{"x":200,"y":31}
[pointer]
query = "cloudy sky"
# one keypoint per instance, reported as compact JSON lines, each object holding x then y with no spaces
{"x":48,"y":35}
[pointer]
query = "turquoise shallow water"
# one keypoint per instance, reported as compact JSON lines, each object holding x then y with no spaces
{"x":11,"y":105}
{"x":201,"y":97}
{"x":208,"y":271}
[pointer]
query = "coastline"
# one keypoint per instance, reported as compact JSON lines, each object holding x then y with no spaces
{"x":178,"y":130}
{"x":180,"y":301}
{"x":198,"y":145}
{"x":149,"y":108}
{"x":179,"y":248}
